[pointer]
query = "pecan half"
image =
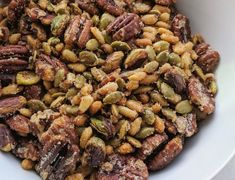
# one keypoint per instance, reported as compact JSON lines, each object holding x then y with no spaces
{"x":27,"y":149}
{"x":88,"y":6}
{"x":85,"y":34}
{"x":165,"y":2}
{"x":170,"y":127}
{"x":57,"y":159}
{"x":127,"y":167}
{"x":7,"y":142}
{"x":39,"y":14}
{"x":125,"y":27}
{"x":15,"y":8}
{"x":176,"y":80}
{"x":19,"y":124}
{"x":150,"y":144}
{"x":110,"y":6}
{"x":11,"y":105}
{"x":200,"y":96}
{"x":13,"y":51}
{"x":181,"y":28}
{"x":208,"y":59}
{"x":12,"y":65}
{"x":167,"y":155}
{"x":187,"y":124}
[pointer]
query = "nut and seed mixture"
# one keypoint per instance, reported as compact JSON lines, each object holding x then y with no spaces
{"x":101,"y":89}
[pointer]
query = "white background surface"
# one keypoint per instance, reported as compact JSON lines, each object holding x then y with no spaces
{"x":228,"y":172}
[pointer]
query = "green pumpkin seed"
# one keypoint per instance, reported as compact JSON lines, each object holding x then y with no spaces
{"x":11,"y":89}
{"x":199,"y":72}
{"x":151,"y":53}
{"x":27,"y":78}
{"x":71,"y":92}
{"x":136,"y":143}
{"x":87,"y":57}
{"x":120,"y":46}
{"x":162,"y":57}
{"x":145,"y":132}
{"x":174,"y":59}
{"x":98,"y":143}
{"x":213,"y":87}
{"x":92,"y":45}
{"x":121,"y":84}
{"x":69,"y":56}
{"x":148,"y":116}
{"x":113,"y":97}
{"x":151,"y":67}
{"x":169,"y":114}
{"x":36,"y":105}
{"x":156,"y":97}
{"x":169,"y":93}
{"x":47,"y":48}
{"x":95,"y":20}
{"x":79,"y":81}
{"x":103,"y":127}
{"x":183,"y":107}
{"x":116,"y":142}
{"x":105,"y":20}
{"x":53,"y":41}
{"x":161,"y":46}
{"x":59,"y":23}
{"x":59,"y":77}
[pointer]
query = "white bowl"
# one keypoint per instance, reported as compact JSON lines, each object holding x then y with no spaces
{"x":207,"y":152}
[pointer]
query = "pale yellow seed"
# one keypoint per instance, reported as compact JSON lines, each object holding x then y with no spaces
{"x":125,"y":148}
{"x":149,"y":19}
{"x":138,"y":76}
{"x":135,"y":126}
{"x":135,"y":105}
{"x":14,"y":38}
{"x":169,"y":38}
{"x":80,"y":120}
{"x":77,"y":176}
{"x":109,"y":149}
{"x":165,"y":31}
{"x":108,"y":88}
{"x":149,"y":79}
{"x":95,"y":107}
{"x":150,"y":36}
{"x":143,"y":42}
{"x":127,"y":112}
{"x":85,"y":136}
{"x":156,"y":107}
{"x":162,"y":9}
{"x":132,"y":85}
{"x":159,"y":125}
{"x":180,"y":48}
{"x":86,"y":89}
{"x":164,"y":17}
{"x":69,"y":56}
{"x":27,"y":164}
{"x":85,"y":103}
{"x":25,"y":112}
{"x":163,"y":24}
{"x":98,"y":35}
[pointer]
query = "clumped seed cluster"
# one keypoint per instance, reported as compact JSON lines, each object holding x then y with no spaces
{"x":101,"y":89}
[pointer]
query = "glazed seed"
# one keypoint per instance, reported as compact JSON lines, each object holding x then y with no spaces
{"x":138,"y":76}
{"x":134,"y":142}
{"x":162,"y":57}
{"x":125,"y":111}
{"x":98,"y":35}
{"x":77,"y":67}
{"x":135,"y":126}
{"x":59,"y":77}
{"x":36,"y":105}
{"x":174,"y":59}
{"x":125,"y":148}
{"x":151,"y":53}
{"x":183,"y":107}
{"x":92,"y":45}
{"x":161,"y":46}
{"x":151,"y":67}
{"x":149,"y":19}
{"x":124,"y":128}
{"x":113,"y":97}
{"x":27,"y":164}
{"x":27,"y":78}
{"x":85,"y":103}
{"x":14,"y":38}
{"x":169,"y":114}
{"x":95,"y":107}
{"x":105,"y":20}
{"x":85,"y":136}
{"x":69,"y":56}
{"x":135,"y":105}
{"x":169,"y":93}
{"x":120,"y":46}
{"x":145,"y":132}
{"x":148,"y":117}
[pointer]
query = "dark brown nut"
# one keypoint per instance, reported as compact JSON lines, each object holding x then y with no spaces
{"x":88,"y":6}
{"x":181,"y":28}
{"x":71,"y":33}
{"x":176,"y":80}
{"x":39,"y":31}
{"x":150,"y":144}
{"x":15,"y":9}
{"x":27,"y":149}
{"x":19,"y":123}
{"x":110,"y":6}
{"x":127,"y":167}
{"x":25,"y":25}
{"x":187,"y":124}
{"x":4,"y":34}
{"x":7,"y":141}
{"x":85,"y":33}
{"x":200,"y":96}
{"x":96,"y":151}
{"x":167,"y":155}
{"x":201,"y":48}
{"x":57,"y":159}
{"x":11,"y":105}
{"x":125,"y":27}
{"x":12,"y":65}
{"x":7,"y":79}
{"x":209,"y":60}
{"x":32,"y":92}
{"x":165,"y":2}
{"x":13,"y":51}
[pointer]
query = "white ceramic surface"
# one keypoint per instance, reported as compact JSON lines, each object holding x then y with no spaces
{"x":207,"y":152}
